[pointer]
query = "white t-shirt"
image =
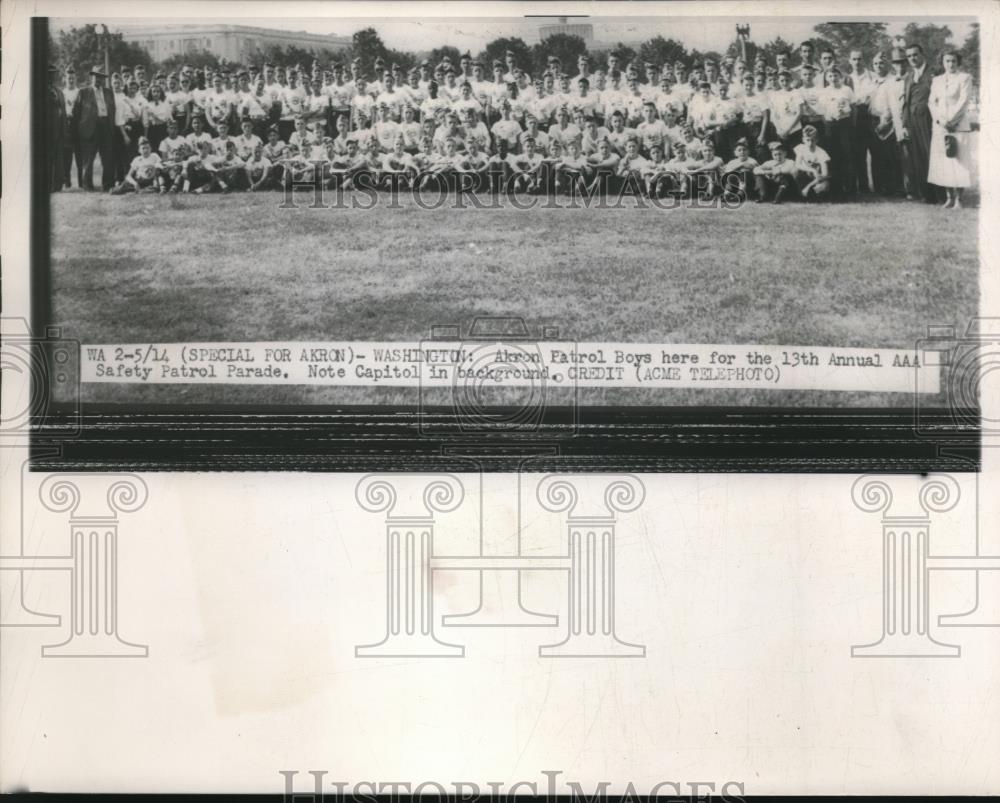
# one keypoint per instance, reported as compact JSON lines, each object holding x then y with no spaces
{"x":835,"y":104}
{"x":564,"y":136}
{"x":173,"y":149}
{"x":144,"y":167}
{"x":785,"y":105}
{"x":651,"y":133}
{"x":507,"y":130}
{"x":397,"y":163}
{"x":245,"y":145}
{"x":810,"y":159}
{"x":293,"y":102}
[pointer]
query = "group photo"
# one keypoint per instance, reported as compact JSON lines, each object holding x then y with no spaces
{"x":865,"y":134}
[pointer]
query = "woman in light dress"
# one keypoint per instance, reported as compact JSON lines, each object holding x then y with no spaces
{"x":949,"y":102}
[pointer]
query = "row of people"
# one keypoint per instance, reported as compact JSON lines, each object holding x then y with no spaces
{"x":201,"y":164}
{"x":866,"y":120}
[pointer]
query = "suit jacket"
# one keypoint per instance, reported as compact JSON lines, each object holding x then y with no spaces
{"x":916,"y":95}
{"x":85,"y":110}
{"x":55,"y":115}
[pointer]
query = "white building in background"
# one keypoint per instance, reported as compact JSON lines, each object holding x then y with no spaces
{"x":582,"y":29}
{"x":230,"y":42}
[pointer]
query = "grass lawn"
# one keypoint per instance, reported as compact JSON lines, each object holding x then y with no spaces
{"x":146,"y":268}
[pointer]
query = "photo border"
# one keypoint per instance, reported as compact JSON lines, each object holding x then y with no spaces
{"x":378,"y":438}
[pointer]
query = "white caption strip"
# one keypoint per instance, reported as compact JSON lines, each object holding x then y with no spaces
{"x":513,"y":364}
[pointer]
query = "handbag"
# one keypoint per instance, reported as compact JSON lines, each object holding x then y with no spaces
{"x":950,"y":146}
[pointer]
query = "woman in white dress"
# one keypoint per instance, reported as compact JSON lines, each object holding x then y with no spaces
{"x":949,"y":102}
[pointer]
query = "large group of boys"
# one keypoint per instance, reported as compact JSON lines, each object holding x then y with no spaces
{"x":767,"y":132}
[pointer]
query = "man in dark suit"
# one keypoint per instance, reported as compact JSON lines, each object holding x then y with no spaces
{"x":94,"y":123}
{"x":917,"y":121}
{"x":55,"y":130}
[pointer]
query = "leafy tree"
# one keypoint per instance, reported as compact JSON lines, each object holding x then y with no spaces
{"x":868,"y":37}
{"x":565,"y":46}
{"x":775,"y":46}
{"x":625,"y":54}
{"x":497,"y":49}
{"x":438,"y":54}
{"x":970,"y":52}
{"x":662,"y":52}
{"x":367,"y":45}
{"x":934,"y":39}
{"x":696,"y":58}
{"x":83,"y":47}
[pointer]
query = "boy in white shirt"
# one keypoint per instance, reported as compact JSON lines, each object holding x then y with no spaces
{"x":839,"y":116}
{"x":221,"y":142}
{"x":754,"y":112}
{"x":506,"y":129}
{"x":442,"y":166}
{"x":362,"y":106}
{"x":786,"y":110}
{"x":475,"y":130}
{"x":692,"y":145}
{"x":700,"y":114}
{"x":143,"y":172}
{"x":633,"y":166}
{"x":258,"y":170}
{"x":572,"y":170}
{"x":677,"y":169}
{"x":434,"y":104}
{"x":651,"y":131}
{"x":705,"y":174}
{"x":619,"y":135}
{"x":466,"y":101}
{"x":521,"y":170}
{"x":474,"y":162}
{"x":564,"y":131}
{"x":345,"y":170}
{"x":775,"y":178}
{"x":813,"y":166}
{"x":603,"y":164}
{"x":397,"y":169}
{"x":198,"y":133}
{"x":531,"y":130}
{"x":199,"y":168}
{"x":658,"y":176}
{"x":247,"y":141}
{"x":737,"y":173}
{"x":386,"y":129}
{"x":410,"y":131}
{"x":174,"y":150}
{"x":228,"y":170}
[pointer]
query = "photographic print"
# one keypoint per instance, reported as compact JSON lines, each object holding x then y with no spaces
{"x":657,"y":210}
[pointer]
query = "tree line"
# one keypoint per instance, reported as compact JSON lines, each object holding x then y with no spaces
{"x":82,"y":47}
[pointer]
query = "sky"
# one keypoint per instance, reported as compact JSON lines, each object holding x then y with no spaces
{"x":473,"y":34}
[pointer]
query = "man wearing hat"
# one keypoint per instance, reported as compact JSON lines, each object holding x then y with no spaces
{"x":55,"y":130}
{"x":890,"y":128}
{"x":93,"y":121}
{"x":886,"y":166}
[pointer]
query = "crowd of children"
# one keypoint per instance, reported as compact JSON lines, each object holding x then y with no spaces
{"x":767,"y":132}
